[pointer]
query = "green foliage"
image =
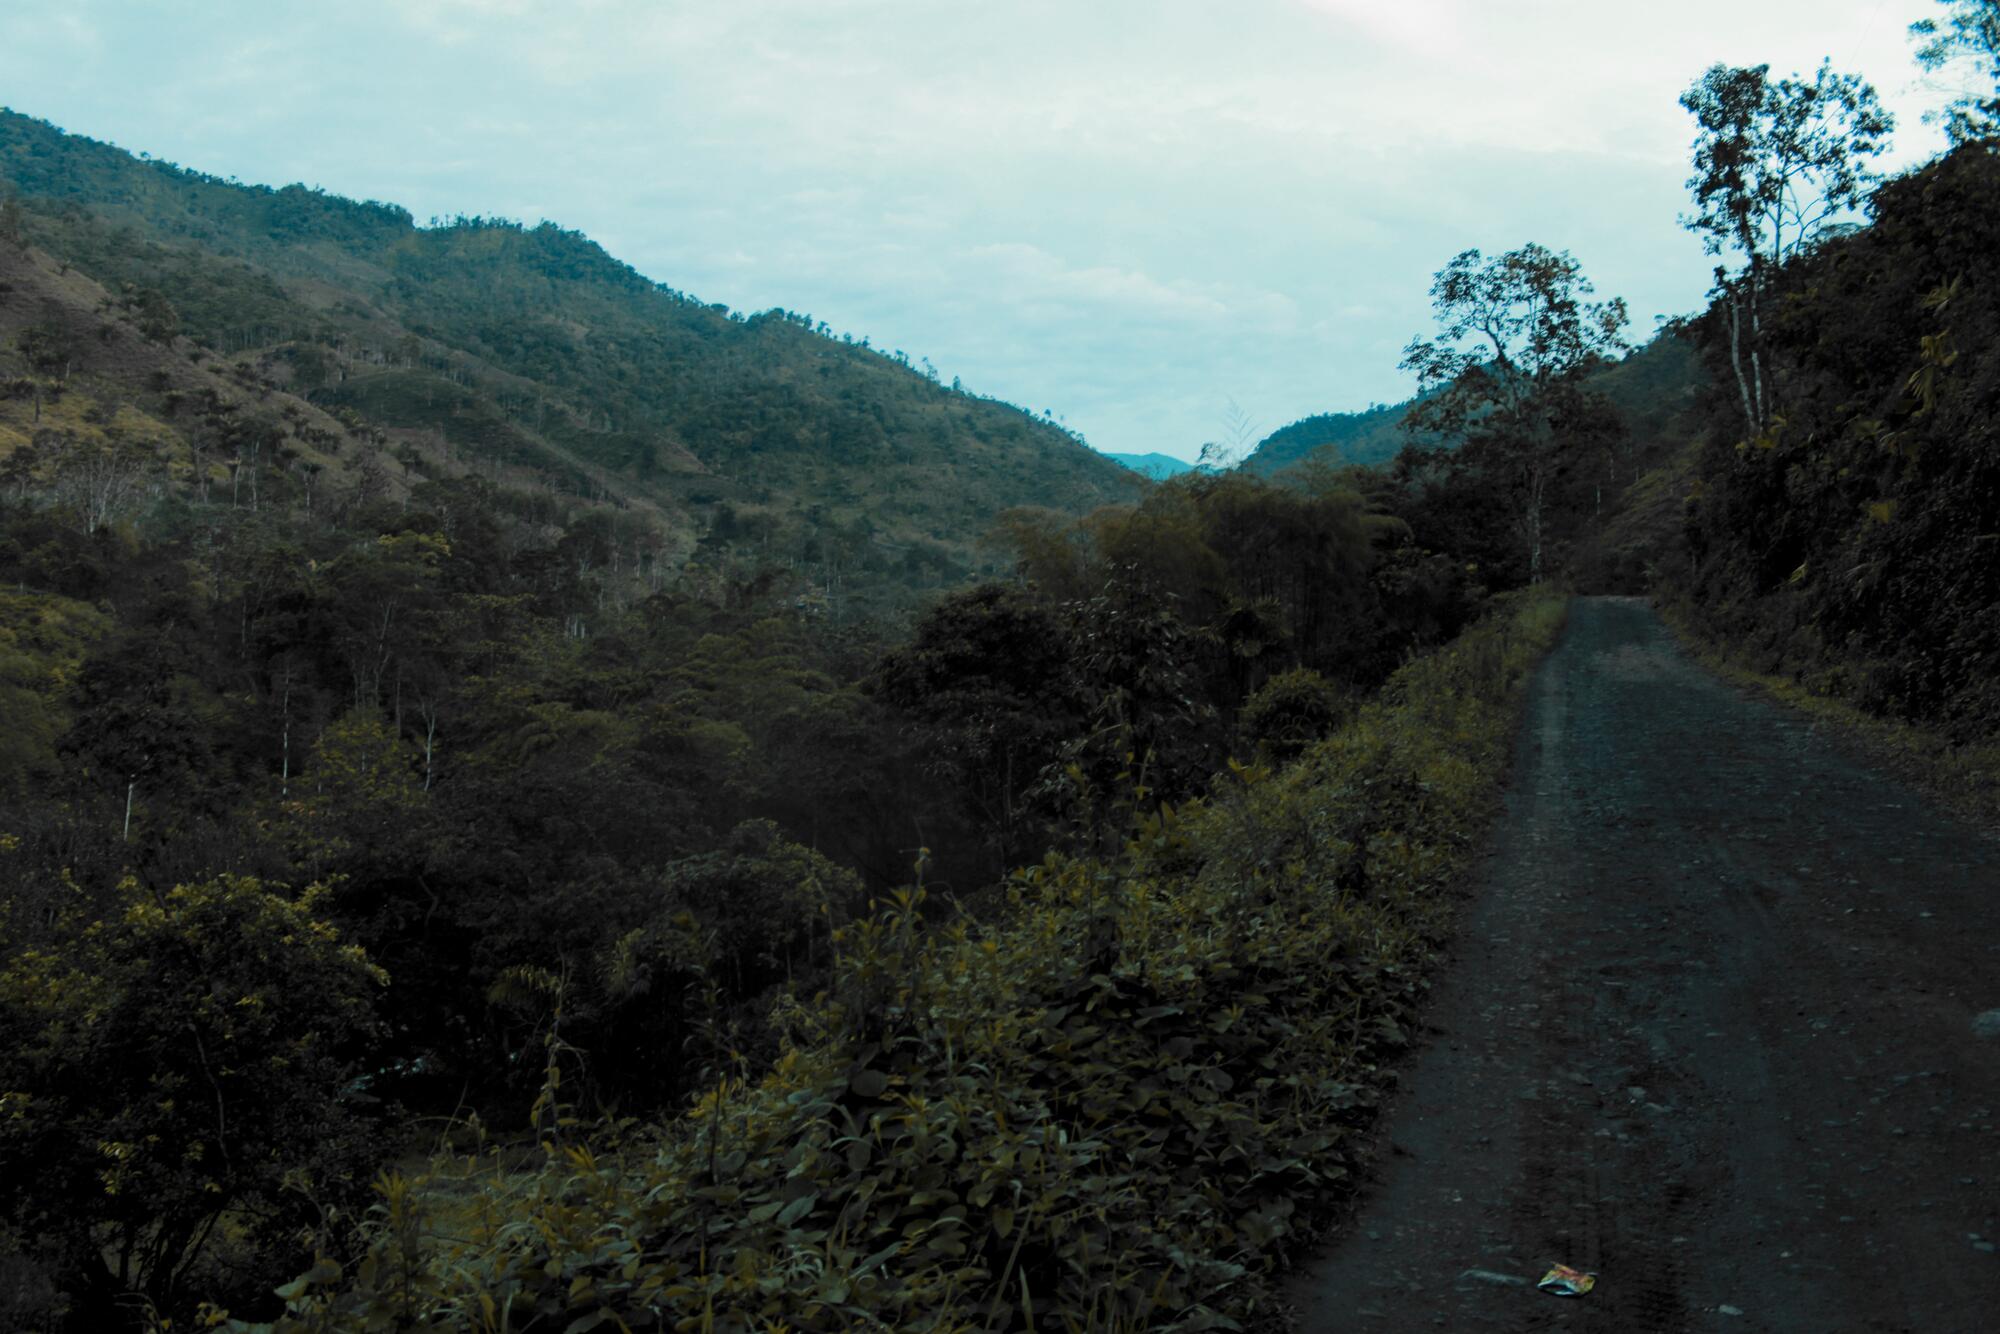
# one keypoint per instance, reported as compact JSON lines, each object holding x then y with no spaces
{"x":1291,"y":711}
{"x":176,"y":1089}
{"x":1853,"y":543}
{"x":534,"y":353}
{"x":1516,"y":337}
{"x":1110,"y":1108}
{"x":985,"y":685}
{"x":1139,"y":634}
{"x":1776,"y":163}
{"x":1371,"y":437}
{"x":1968,"y":34}
{"x":43,"y":641}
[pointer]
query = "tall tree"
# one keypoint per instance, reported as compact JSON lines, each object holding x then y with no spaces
{"x":1515,"y":334}
{"x":1775,"y":165}
{"x":1969,"y":32}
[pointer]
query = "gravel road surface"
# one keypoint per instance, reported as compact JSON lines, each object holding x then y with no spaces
{"x":1712,"y":1030}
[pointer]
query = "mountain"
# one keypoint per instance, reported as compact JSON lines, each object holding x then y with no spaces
{"x":534,"y":357}
{"x":1367,"y":437}
{"x":1159,"y":467}
{"x":1654,"y":389}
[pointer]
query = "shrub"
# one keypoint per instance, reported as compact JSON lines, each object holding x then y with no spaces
{"x":1104,"y":1110}
{"x":1291,"y":711}
{"x":174,"y":1075}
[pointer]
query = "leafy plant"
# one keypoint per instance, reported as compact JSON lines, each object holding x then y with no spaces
{"x":1110,"y":1108}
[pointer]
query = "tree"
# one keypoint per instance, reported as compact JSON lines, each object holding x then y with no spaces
{"x":96,"y":481}
{"x":188,"y":1058}
{"x":157,"y":319}
{"x":1971,"y":31}
{"x":1515,"y":335}
{"x":985,"y":681}
{"x":11,"y":232}
{"x":1775,"y":165}
{"x":48,"y":348}
{"x":138,"y":715}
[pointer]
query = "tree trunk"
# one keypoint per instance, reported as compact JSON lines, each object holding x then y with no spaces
{"x":285,"y":738}
{"x":1736,"y":361}
{"x":1757,"y":349}
{"x":430,"y":742}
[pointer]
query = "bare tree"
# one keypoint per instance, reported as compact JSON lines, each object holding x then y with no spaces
{"x":98,"y":482}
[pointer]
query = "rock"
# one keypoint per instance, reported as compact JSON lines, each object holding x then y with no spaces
{"x":1730,"y":1310}
{"x":1986,"y":1025}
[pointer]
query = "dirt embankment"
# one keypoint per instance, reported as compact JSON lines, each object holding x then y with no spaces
{"x":1710,"y":1033}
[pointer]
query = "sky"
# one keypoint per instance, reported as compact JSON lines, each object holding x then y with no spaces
{"x":1169,"y":222}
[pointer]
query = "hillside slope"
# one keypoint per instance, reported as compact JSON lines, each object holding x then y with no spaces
{"x":1346,"y":438}
{"x":86,"y":378}
{"x":1654,"y":390}
{"x":532,"y":350}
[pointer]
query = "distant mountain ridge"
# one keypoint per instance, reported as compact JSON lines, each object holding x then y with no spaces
{"x":1157,"y":466}
{"x":1369,"y":437}
{"x":532,"y":352}
{"x":1654,"y":389}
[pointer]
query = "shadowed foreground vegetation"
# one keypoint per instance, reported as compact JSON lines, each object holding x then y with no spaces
{"x":1110,"y":1107}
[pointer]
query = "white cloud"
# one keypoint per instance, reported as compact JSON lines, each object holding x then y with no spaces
{"x":1128,"y":210}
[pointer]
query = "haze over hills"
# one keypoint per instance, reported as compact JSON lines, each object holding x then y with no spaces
{"x":1157,"y":466}
{"x":531,"y":354}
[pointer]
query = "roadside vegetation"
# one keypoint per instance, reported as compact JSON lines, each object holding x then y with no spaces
{"x":1840,"y":536}
{"x":1112,"y":1106}
{"x":649,"y":817}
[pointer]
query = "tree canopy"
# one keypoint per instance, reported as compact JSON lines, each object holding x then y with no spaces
{"x":1516,"y":333}
{"x":1968,"y":36}
{"x":1776,"y":163}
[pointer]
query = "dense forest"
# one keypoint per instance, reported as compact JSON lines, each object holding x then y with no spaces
{"x":426,"y":760}
{"x":528,"y":801}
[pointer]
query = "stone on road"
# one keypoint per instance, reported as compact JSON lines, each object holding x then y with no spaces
{"x":1709,"y":1033}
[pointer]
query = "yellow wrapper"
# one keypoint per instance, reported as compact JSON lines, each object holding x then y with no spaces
{"x":1566,"y":1282}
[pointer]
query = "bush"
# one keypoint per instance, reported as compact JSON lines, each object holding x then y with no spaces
{"x":1291,"y":711}
{"x":176,"y":1075}
{"x":1104,"y":1110}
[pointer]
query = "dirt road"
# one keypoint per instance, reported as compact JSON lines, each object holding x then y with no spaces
{"x":1709,"y":1031}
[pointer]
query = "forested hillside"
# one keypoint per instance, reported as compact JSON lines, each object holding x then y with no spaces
{"x":1339,"y":438}
{"x":1854,"y":540}
{"x":530,"y":802}
{"x":381,"y":739}
{"x":532,"y":355}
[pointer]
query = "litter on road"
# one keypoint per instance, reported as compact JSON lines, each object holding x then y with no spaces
{"x":1566,"y":1282}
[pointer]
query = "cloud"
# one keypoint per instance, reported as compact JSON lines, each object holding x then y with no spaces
{"x":1032,"y":274}
{"x":1128,"y":210}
